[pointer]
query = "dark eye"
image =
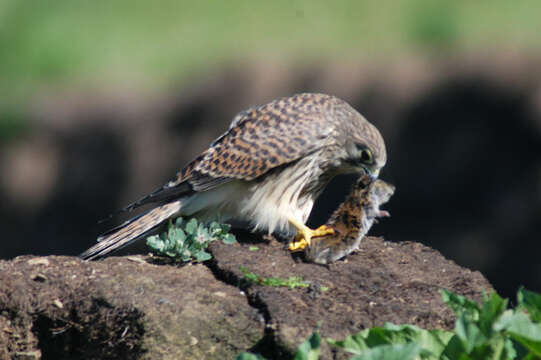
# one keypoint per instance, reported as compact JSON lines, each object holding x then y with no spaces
{"x":366,"y":156}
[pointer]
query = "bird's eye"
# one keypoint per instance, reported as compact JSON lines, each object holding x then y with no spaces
{"x":365,"y":156}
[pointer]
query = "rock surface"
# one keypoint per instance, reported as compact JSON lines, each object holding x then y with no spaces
{"x":135,"y":307}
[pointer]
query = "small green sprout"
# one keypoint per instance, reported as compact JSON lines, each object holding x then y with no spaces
{"x":188,"y":240}
{"x":253,"y":248}
{"x":292,"y":282}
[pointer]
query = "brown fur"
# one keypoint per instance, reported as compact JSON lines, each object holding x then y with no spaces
{"x":351,"y":221}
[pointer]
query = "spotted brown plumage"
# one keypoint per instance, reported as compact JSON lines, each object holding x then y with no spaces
{"x":266,"y":169}
{"x":351,"y":221}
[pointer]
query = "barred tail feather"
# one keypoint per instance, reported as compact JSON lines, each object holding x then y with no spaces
{"x":131,"y":231}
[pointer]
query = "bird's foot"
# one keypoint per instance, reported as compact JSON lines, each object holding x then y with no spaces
{"x":305,"y":235}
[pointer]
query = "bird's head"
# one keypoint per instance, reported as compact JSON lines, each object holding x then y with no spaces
{"x":365,"y":151}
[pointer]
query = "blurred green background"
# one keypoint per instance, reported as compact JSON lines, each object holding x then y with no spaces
{"x":154,"y":44}
{"x":103,"y":101}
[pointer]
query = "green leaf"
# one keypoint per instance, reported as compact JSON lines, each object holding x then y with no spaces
{"x":250,"y":356}
{"x":353,"y":344}
{"x":171,"y":230}
{"x":178,"y":222}
{"x":191,"y":226}
{"x":155,"y":243}
{"x":520,"y":327}
{"x":214,"y":228}
{"x":225,"y":228}
{"x":229,"y":239}
{"x":168,"y":253}
{"x":491,"y":310}
{"x":432,"y":342}
{"x":454,"y":349}
{"x":460,"y":304}
{"x":390,"y":352}
{"x":469,"y":333}
{"x":510,"y":350}
{"x":186,"y":254}
{"x":202,"y":237}
{"x":309,"y":350}
{"x":482,"y":352}
{"x":531,"y":302}
{"x":203,"y":256}
{"x":179,"y":236}
{"x":252,"y":248}
{"x":201,"y":228}
{"x":249,"y":275}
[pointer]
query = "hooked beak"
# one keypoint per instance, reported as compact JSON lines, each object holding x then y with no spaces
{"x":373,"y":174}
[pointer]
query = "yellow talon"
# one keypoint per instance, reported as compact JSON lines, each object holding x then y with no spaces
{"x":305,"y":235}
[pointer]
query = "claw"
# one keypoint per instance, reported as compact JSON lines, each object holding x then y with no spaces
{"x":305,"y":235}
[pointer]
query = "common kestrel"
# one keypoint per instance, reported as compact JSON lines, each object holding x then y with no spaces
{"x":266,"y":170}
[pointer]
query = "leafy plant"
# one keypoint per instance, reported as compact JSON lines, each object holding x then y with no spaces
{"x":395,"y":342}
{"x":486,"y":331}
{"x":188,"y":240}
{"x":482,"y":331}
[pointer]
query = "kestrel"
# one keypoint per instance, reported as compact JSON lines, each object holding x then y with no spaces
{"x":266,"y":170}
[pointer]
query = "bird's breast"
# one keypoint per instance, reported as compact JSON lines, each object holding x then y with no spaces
{"x":288,"y":192}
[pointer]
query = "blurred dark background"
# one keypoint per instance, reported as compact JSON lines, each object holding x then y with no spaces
{"x":102,"y":102}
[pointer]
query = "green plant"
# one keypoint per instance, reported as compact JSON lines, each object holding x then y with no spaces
{"x":188,"y":240}
{"x":393,"y":341}
{"x":486,"y":331}
{"x":482,"y":331}
{"x":13,"y":123}
{"x":292,"y":282}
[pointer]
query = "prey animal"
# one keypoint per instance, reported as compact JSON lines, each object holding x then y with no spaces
{"x":265,"y":171}
{"x":351,"y":221}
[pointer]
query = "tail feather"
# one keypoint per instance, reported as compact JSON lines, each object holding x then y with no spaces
{"x":131,"y":230}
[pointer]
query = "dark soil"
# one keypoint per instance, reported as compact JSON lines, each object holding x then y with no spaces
{"x":65,"y":308}
{"x":140,"y":307}
{"x":383,"y":282}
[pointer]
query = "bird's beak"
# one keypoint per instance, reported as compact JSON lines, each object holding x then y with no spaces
{"x":373,"y":174}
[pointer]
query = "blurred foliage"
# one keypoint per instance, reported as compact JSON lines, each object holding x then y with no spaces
{"x":56,"y":43}
{"x":151,"y":42}
{"x":434,"y":25}
{"x":13,"y":123}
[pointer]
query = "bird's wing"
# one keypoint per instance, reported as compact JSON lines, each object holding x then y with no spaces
{"x":259,"y":139}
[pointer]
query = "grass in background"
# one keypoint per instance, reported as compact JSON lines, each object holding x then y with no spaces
{"x":50,"y":44}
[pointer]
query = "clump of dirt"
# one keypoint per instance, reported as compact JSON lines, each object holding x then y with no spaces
{"x":139,"y":308}
{"x":65,"y":308}
{"x":382,"y":282}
